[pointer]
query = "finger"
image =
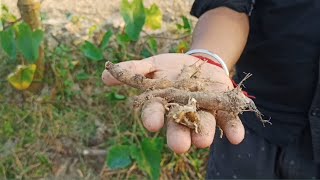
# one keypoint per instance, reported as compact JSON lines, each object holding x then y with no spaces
{"x":153,"y":114}
{"x":231,"y":125}
{"x":178,"y":137}
{"x":135,"y":66}
{"x":204,"y":138}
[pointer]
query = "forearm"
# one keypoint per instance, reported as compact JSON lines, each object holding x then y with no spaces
{"x":222,"y":31}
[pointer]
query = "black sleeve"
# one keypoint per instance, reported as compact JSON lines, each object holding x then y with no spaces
{"x":201,"y":6}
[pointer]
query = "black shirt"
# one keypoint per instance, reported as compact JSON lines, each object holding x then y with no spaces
{"x":282,"y":53}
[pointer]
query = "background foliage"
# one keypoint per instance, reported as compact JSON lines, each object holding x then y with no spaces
{"x":75,"y":126}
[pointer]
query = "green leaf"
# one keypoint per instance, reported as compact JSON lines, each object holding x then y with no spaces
{"x":5,"y":15}
{"x":37,"y":37}
{"x":186,"y":26}
{"x":152,"y":48}
{"x":123,"y":40}
{"x":1,"y":25}
{"x":91,"y":51}
{"x":83,"y":76}
{"x":154,"y":17}
{"x":119,"y":157}
{"x":29,"y":42}
{"x":105,"y":40}
{"x":8,"y":128}
{"x":92,"y":30}
{"x":182,"y":47}
{"x":148,"y":156}
{"x":8,"y":42}
{"x":134,"y":16}
{"x":145,"y":53}
{"x":114,"y":96}
{"x":43,"y":159}
{"x":153,"y":44}
{"x":22,"y":77}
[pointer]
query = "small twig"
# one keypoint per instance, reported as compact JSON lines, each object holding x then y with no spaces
{"x":55,"y":38}
{"x":17,"y":161}
{"x":102,"y":170}
{"x":133,"y":167}
{"x":63,"y":168}
{"x":80,"y":173}
{"x":94,"y":152}
{"x":109,"y":173}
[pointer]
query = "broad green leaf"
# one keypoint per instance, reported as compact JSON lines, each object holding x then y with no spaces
{"x":22,"y":77}
{"x":106,"y":38}
{"x":28,"y":42}
{"x":37,"y":37}
{"x":148,"y":156}
{"x":8,"y":42}
{"x":119,"y":157}
{"x":154,"y":17}
{"x":134,"y":16}
{"x":91,"y":51}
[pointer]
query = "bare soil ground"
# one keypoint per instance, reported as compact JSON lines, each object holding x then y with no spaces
{"x":99,"y":12}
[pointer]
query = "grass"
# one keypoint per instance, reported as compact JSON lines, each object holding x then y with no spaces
{"x":45,"y":134}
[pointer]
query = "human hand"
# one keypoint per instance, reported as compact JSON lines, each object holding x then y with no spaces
{"x":180,"y":137}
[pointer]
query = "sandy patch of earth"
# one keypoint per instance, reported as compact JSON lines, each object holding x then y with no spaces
{"x":90,"y":13}
{"x":102,"y":10}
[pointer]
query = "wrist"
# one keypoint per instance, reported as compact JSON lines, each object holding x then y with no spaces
{"x":208,"y":70}
{"x":210,"y":57}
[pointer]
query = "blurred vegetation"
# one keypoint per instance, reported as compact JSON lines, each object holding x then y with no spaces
{"x":75,"y":126}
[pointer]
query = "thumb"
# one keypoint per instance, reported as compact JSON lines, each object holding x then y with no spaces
{"x":142,"y":67}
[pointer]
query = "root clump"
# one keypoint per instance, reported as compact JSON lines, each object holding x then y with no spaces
{"x":184,"y":97}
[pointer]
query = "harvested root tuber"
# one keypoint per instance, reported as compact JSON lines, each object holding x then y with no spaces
{"x":185,"y":96}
